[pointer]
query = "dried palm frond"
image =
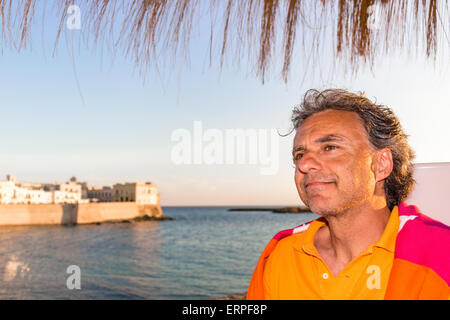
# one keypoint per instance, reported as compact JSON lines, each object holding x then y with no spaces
{"x":359,"y":29}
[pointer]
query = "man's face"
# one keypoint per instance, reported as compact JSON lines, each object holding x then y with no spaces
{"x":333,"y":161}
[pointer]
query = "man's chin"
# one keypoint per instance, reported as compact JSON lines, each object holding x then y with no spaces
{"x":323,"y":209}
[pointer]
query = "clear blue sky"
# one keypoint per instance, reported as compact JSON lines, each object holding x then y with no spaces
{"x":116,"y":128}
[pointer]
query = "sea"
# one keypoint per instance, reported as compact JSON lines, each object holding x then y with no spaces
{"x":204,"y":253}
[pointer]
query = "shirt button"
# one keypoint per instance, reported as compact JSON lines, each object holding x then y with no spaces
{"x":325,"y":276}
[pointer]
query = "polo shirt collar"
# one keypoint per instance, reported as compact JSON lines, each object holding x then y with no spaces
{"x":387,"y":240}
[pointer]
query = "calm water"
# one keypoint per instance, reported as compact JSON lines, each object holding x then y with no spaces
{"x":207,"y":252}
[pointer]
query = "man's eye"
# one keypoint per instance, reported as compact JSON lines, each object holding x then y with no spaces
{"x":330,"y":147}
{"x":298,"y":156}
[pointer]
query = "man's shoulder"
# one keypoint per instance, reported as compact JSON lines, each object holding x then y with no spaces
{"x":424,"y":241}
{"x":413,"y":222}
{"x":289,"y":237}
{"x":284,"y":234}
{"x":420,"y":233}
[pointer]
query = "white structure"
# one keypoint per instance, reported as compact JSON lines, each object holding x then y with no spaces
{"x":67,"y":192}
{"x":7,"y":189}
{"x":10,"y":193}
{"x":141,"y":193}
{"x":13,"y":193}
{"x":72,"y":192}
{"x":31,"y":196}
{"x":431,"y":190}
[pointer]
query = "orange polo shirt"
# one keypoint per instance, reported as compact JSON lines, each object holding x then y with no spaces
{"x":295,"y":270}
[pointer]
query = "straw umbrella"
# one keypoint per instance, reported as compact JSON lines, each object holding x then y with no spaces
{"x":263,"y":32}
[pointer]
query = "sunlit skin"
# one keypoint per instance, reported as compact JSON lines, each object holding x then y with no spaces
{"x":340,"y":176}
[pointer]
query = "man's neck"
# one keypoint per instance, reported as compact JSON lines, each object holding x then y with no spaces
{"x":350,"y":233}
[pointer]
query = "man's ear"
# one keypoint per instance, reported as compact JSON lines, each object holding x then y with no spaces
{"x":383,"y":164}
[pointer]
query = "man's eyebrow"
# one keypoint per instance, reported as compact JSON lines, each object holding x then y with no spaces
{"x":330,"y":137}
{"x":327,"y":138}
{"x":297,"y":148}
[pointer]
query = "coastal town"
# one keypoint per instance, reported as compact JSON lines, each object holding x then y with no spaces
{"x":73,"y":192}
{"x":75,"y":202}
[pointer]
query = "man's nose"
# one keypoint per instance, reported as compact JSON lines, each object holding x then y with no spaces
{"x":308,"y":162}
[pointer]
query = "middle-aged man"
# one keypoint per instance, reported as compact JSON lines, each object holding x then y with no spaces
{"x":353,"y":167}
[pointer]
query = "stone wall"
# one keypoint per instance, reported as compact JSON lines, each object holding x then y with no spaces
{"x":83,"y":213}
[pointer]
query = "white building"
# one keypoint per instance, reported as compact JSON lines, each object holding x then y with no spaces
{"x":13,"y":193}
{"x":141,"y":193}
{"x":72,"y":192}
{"x":67,"y":192}
{"x":7,"y":189}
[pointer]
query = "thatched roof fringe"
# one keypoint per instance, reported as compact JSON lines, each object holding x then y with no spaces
{"x":151,"y":29}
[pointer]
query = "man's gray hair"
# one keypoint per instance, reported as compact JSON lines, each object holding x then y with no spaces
{"x":383,"y":131}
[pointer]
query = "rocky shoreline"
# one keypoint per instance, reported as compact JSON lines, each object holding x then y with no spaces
{"x":301,"y":209}
{"x":135,"y":220}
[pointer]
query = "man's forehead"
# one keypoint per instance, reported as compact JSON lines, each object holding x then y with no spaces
{"x":331,"y":123}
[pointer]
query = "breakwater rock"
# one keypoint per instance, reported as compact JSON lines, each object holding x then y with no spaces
{"x":300,"y":209}
{"x":137,"y":219}
{"x":292,"y":210}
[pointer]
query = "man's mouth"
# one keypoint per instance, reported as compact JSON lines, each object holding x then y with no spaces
{"x":314,"y":184}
